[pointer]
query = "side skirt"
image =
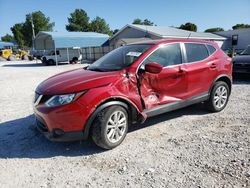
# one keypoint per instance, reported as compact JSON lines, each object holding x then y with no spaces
{"x":176,"y":105}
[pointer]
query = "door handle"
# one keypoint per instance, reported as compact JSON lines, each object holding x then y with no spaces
{"x":213,"y":66}
{"x":181,"y":72}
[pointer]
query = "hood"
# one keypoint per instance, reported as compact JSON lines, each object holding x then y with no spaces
{"x":75,"y":80}
{"x":242,"y":59}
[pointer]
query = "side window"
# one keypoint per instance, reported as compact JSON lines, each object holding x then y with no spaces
{"x":196,"y":52}
{"x":167,"y":55}
{"x":211,"y":49}
{"x":57,"y":52}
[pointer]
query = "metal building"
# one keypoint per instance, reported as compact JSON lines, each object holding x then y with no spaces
{"x":55,"y":40}
{"x":6,"y":44}
{"x":142,"y":32}
{"x":65,"y":45}
{"x":243,"y":39}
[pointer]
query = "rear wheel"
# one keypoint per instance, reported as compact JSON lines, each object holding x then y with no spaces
{"x":50,"y":62}
{"x":110,"y":127}
{"x":74,"y":60}
{"x":218,"y":97}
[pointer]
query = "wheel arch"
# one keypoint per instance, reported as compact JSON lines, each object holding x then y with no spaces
{"x":132,"y":110}
{"x":225,"y":78}
{"x":51,"y":60}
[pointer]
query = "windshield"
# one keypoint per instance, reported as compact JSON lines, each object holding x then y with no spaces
{"x":246,"y":51}
{"x":119,"y":58}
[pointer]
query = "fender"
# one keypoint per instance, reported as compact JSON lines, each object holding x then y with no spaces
{"x":98,"y":109}
{"x":221,"y":77}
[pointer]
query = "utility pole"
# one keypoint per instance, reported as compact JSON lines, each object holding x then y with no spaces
{"x":33,"y":32}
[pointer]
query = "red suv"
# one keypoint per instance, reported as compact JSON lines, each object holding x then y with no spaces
{"x":130,"y":84}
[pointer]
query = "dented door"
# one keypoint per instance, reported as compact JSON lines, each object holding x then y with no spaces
{"x":166,"y":87}
{"x":170,"y":85}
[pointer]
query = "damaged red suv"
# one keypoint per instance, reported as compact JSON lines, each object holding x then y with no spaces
{"x":130,"y":84}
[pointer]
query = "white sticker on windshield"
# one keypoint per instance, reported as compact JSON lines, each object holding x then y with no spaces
{"x":135,"y":54}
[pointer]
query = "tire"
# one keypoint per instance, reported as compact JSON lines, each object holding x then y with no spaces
{"x":12,"y":58}
{"x":218,"y":97}
{"x":75,"y":59}
{"x":50,"y":62}
{"x":106,"y":133}
{"x":30,"y":57}
{"x":44,"y":60}
{"x":25,"y":57}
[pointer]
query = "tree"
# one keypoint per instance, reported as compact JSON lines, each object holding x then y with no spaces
{"x":137,"y":21}
{"x":188,"y":26}
{"x":17,"y":31}
{"x":145,"y":22}
{"x":99,"y":25}
{"x":115,"y":31}
{"x":240,"y":26}
{"x":78,"y":21}
{"x":41,"y":23}
{"x":148,"y":22}
{"x":7,"y":38}
{"x":23,"y":31}
{"x":215,"y":29}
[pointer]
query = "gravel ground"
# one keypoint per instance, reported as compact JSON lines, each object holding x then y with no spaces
{"x":185,"y":148}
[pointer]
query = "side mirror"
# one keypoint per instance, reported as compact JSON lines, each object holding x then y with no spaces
{"x":153,"y":67}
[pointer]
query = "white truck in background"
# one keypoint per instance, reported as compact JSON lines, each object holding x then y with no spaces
{"x":62,"y":55}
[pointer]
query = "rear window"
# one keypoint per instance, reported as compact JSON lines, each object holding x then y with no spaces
{"x":196,"y":52}
{"x":211,"y":49}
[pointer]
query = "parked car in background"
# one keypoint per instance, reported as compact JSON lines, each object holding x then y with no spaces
{"x":241,"y":62}
{"x":129,"y":85}
{"x":62,"y":55}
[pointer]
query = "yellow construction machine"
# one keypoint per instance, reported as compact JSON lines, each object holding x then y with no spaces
{"x":6,"y":53}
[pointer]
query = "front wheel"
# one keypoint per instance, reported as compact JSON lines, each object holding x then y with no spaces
{"x":110,"y":127}
{"x":218,"y":97}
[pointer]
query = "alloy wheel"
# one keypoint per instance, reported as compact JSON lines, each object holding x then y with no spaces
{"x":116,"y":126}
{"x":220,"y":97}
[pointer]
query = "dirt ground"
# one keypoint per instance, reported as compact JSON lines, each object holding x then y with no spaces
{"x":185,"y":148}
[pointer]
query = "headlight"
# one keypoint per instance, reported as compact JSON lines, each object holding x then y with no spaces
{"x":58,"y":100}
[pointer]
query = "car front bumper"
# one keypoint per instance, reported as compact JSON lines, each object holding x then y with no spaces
{"x":58,"y":135}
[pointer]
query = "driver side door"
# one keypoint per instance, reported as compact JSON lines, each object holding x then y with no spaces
{"x":168,"y":86}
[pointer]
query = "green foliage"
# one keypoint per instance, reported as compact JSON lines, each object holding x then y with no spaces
{"x":99,"y":25}
{"x":78,"y":21}
{"x":23,"y":31}
{"x":41,"y":23}
{"x":240,"y":26}
{"x":17,"y":31}
{"x":189,"y":27}
{"x":215,"y":29}
{"x":148,"y":22}
{"x":115,"y":31}
{"x":7,"y":38}
{"x":145,"y":22}
{"x":137,"y":21}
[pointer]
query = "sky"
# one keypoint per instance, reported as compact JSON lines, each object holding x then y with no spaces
{"x":117,"y":13}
